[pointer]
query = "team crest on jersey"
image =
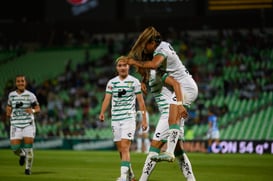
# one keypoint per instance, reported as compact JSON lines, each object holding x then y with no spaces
{"x":130,"y":84}
{"x":110,"y":87}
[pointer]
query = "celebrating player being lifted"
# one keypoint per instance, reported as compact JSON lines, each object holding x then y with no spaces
{"x":22,"y":104}
{"x":167,"y":63}
{"x":124,"y":90}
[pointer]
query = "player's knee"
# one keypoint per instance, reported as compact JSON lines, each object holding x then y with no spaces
{"x":28,"y":145}
{"x":15,"y":147}
{"x":29,"y":152}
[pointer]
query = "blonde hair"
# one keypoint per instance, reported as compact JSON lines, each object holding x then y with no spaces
{"x":120,"y":58}
{"x":137,"y":51}
{"x":148,"y":35}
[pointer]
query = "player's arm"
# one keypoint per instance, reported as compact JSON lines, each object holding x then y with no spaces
{"x":35,"y":108}
{"x":182,"y":112}
{"x":142,"y":108}
{"x":144,"y":88}
{"x":152,"y":64}
{"x":104,"y":106}
{"x":8,"y":111}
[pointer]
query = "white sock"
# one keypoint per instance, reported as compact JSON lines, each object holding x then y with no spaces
{"x":172,"y":140}
{"x":131,"y":172}
{"x":185,"y":166}
{"x":20,"y":152}
{"x":148,"y":167}
{"x":139,"y":144}
{"x":29,"y":157}
{"x":124,"y":170}
{"x":147,"y":144}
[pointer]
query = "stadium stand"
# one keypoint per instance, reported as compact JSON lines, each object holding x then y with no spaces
{"x":233,"y":76}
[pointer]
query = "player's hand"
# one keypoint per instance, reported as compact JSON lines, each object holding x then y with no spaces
{"x":143,"y":88}
{"x":29,"y":111}
{"x":144,"y":125}
{"x":101,"y":117}
{"x":130,"y":61}
{"x":182,"y":112}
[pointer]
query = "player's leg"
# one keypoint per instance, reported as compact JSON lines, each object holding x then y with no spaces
{"x":28,"y":147}
{"x":139,"y":144}
{"x":161,"y":133}
{"x":125,"y":158}
{"x":216,"y":136}
{"x":149,"y":165}
{"x":174,"y":134}
{"x":17,"y":150}
{"x":29,"y":134}
{"x":209,"y":144}
{"x":184,"y":162}
{"x":127,"y":135}
{"x":190,"y":92}
{"x":16,"y":136}
{"x":147,"y":143}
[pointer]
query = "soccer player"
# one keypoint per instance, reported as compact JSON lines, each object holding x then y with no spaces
{"x":213,"y":131}
{"x":123,"y":91}
{"x":142,"y":140}
{"x":167,"y":63}
{"x":161,"y":94}
{"x":21,"y":107}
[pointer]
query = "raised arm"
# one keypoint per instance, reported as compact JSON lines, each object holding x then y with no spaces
{"x":152,"y":64}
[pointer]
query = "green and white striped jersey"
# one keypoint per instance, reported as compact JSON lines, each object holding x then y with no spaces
{"x":159,"y":92}
{"x":123,"y":97}
{"x":18,"y":103}
{"x":172,"y":64}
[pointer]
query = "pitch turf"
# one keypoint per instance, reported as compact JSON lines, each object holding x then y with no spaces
{"x":55,"y":165}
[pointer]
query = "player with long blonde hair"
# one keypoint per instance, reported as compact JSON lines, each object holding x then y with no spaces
{"x":167,"y":64}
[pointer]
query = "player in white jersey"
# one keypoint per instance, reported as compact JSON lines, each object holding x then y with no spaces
{"x":22,"y":104}
{"x":161,"y":94}
{"x":167,"y":63}
{"x":124,"y":90}
{"x":142,"y":136}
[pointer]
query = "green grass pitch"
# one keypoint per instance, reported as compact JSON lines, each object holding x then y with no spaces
{"x":55,"y":165}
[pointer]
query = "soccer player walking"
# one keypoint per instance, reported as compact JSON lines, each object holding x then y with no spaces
{"x":21,"y":107}
{"x":167,"y":63}
{"x":123,"y":91}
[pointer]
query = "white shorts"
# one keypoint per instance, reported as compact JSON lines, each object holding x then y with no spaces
{"x":162,"y":128}
{"x":189,"y":90}
{"x":123,"y":129}
{"x":214,"y":135}
{"x":20,"y":133}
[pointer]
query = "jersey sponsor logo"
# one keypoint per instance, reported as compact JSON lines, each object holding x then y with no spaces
{"x":129,"y":135}
{"x":121,"y":92}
